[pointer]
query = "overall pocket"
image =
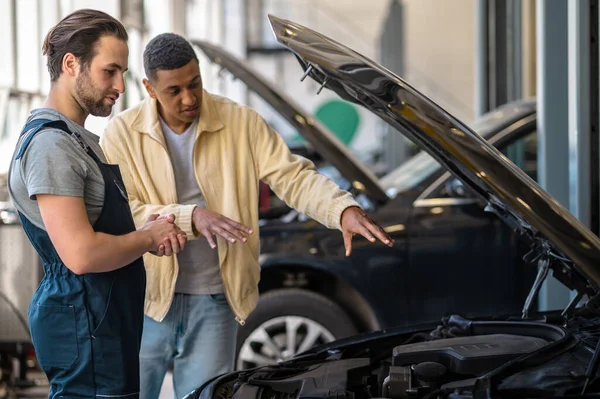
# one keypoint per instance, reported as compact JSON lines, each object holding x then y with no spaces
{"x":98,"y":287}
{"x":116,"y":367}
{"x":54,"y":335}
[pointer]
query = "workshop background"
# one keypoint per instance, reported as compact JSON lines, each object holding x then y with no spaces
{"x":469,"y":56}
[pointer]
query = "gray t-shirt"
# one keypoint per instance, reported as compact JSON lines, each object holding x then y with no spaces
{"x":199,"y":271}
{"x":55,"y":163}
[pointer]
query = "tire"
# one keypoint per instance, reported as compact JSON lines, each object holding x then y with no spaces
{"x":284,"y":310}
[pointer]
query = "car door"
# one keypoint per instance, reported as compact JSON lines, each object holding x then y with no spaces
{"x":462,"y":257}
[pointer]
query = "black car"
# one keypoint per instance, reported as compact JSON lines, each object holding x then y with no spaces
{"x":529,"y":354}
{"x":446,"y":242}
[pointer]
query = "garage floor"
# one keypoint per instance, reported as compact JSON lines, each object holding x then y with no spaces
{"x":42,"y":392}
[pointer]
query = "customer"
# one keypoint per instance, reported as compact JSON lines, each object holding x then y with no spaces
{"x":86,"y":317}
{"x":201,"y":157}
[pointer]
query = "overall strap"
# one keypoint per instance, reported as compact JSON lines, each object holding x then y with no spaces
{"x":36,"y":125}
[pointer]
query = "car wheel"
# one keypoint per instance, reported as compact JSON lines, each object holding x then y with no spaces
{"x":287,"y":322}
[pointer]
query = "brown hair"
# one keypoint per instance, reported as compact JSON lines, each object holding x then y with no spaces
{"x":78,"y":33}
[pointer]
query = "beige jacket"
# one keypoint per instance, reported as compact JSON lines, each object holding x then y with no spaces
{"x":234,"y":149}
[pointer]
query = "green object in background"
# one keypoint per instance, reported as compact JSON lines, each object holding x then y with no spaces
{"x":340,"y":117}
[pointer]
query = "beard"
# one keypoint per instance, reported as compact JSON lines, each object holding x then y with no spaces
{"x":91,"y":98}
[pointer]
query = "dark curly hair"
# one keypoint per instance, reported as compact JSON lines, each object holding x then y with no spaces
{"x":167,"y":51}
{"x":78,"y":34}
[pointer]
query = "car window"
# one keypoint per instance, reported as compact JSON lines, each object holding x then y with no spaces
{"x":422,"y":165}
{"x":410,"y":173}
{"x":522,"y":152}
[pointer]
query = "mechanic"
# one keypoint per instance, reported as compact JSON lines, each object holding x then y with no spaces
{"x":86,"y":316}
{"x":201,"y":157}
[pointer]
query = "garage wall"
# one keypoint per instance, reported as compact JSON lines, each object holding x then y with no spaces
{"x":440,"y":52}
{"x":439,"y":40}
{"x":440,"y":67}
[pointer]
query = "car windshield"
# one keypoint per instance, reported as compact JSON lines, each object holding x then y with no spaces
{"x":422,"y":165}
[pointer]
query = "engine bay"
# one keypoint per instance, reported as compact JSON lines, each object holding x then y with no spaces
{"x":459,"y":359}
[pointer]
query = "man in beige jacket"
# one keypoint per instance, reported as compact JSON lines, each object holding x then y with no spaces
{"x":200,"y":157}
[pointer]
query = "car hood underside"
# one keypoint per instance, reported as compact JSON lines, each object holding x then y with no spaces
{"x":559,"y":241}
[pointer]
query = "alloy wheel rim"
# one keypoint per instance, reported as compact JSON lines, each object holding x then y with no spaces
{"x":280,"y":339}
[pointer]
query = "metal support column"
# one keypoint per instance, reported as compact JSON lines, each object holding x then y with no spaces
{"x":132,"y":14}
{"x":553,"y":123}
{"x":178,"y":16}
{"x":481,"y":58}
{"x":395,"y":147}
{"x":579,"y":109}
{"x":235,"y":41}
{"x":594,"y":85}
{"x":256,"y":24}
{"x":133,"y":18}
{"x":499,"y":60}
{"x":528,"y":48}
{"x":15,"y":43}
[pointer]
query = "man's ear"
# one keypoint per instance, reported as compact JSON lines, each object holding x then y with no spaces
{"x":70,"y":64}
{"x":149,"y":88}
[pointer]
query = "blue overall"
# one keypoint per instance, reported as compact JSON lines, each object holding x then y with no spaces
{"x":87,"y":329}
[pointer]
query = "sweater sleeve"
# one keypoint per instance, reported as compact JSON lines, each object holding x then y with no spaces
{"x":295,"y":179}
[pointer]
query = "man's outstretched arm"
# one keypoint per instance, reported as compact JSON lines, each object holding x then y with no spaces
{"x":296,"y":180}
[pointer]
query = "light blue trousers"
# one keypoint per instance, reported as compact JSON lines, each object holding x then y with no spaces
{"x":198,"y":335}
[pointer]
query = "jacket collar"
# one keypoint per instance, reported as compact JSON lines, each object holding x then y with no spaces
{"x":146,"y":121}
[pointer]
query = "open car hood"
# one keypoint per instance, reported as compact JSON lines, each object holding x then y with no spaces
{"x":571,"y":249}
{"x":328,"y":145}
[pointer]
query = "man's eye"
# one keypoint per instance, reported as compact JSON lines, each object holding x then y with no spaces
{"x":110,"y":72}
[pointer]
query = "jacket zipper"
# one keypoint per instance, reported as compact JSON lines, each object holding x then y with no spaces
{"x":202,"y":192}
{"x":237,"y":318}
{"x":176,"y":200}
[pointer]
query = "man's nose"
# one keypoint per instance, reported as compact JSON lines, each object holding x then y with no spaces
{"x":189,"y":98}
{"x":119,"y":85}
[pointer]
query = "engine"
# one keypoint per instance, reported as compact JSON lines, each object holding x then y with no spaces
{"x":524,"y":359}
{"x":423,"y":367}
